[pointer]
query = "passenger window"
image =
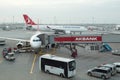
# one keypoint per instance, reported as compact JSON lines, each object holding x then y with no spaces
{"x":103,"y":71}
{"x":118,"y":66}
{"x":95,"y":70}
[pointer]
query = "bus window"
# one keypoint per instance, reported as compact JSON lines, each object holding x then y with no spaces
{"x":72,"y":65}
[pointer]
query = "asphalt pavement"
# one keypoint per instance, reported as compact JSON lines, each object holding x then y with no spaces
{"x":25,"y":67}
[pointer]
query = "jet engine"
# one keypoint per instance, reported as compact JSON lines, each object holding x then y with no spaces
{"x":19,"y":44}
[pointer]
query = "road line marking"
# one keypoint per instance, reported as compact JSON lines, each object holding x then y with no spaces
{"x":33,"y":64}
{"x":0,"y":60}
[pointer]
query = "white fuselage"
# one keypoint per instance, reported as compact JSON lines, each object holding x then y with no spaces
{"x":35,"y":41}
{"x":64,"y":28}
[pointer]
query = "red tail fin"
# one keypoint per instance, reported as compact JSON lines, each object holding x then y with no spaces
{"x":28,"y":20}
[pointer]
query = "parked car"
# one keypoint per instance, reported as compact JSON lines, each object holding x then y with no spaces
{"x":102,"y":72}
{"x":117,"y":66}
{"x":116,"y":52}
{"x":112,"y":67}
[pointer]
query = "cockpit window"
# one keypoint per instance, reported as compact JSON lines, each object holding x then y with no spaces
{"x":36,"y":40}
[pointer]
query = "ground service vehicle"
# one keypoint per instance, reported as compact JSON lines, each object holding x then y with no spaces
{"x":116,"y":52}
{"x":10,"y":56}
{"x":2,"y":42}
{"x":117,"y":66}
{"x":64,"y":67}
{"x":112,"y":67}
{"x":102,"y":72}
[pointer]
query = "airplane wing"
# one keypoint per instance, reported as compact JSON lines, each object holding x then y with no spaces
{"x":14,"y":39}
{"x":56,"y":30}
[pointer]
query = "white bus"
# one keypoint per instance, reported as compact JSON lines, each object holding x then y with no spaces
{"x":64,"y":67}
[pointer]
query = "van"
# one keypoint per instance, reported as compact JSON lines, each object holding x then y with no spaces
{"x":112,"y":67}
{"x":102,"y":72}
{"x":117,"y":66}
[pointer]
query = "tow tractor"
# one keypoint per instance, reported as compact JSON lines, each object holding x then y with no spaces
{"x":10,"y":56}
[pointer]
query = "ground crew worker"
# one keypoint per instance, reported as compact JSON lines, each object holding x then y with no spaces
{"x":9,"y":49}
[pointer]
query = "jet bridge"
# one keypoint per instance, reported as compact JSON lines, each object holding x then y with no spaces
{"x":76,"y":39}
{"x":91,"y":42}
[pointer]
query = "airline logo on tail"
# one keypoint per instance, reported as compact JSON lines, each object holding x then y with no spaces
{"x":28,"y":21}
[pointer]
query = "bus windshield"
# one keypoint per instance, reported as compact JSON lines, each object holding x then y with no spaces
{"x":72,"y":65}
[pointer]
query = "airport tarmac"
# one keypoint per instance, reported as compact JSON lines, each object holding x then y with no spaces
{"x":26,"y":68}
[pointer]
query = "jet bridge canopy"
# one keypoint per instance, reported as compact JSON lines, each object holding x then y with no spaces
{"x":78,"y":39}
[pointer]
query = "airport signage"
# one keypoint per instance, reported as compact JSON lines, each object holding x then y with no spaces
{"x":78,"y":39}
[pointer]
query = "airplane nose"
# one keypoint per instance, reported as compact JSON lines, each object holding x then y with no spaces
{"x":35,"y":42}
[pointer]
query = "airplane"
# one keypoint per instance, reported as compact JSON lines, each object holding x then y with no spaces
{"x":64,"y":29}
{"x":35,"y":41}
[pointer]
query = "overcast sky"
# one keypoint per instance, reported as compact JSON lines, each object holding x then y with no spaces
{"x":61,"y":11}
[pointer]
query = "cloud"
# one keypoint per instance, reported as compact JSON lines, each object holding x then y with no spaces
{"x":62,"y":9}
{"x":50,"y":2}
